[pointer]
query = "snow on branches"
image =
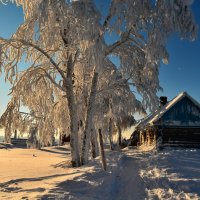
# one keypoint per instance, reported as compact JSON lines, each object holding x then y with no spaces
{"x":70,"y":80}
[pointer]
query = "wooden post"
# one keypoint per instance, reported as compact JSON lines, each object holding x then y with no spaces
{"x":103,"y":158}
{"x":110,"y":133}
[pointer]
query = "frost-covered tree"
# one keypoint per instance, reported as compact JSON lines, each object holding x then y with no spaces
{"x":6,"y":120}
{"x":64,"y":44}
{"x":142,"y":28}
{"x":12,"y":120}
{"x":115,"y":101}
{"x":46,"y":41}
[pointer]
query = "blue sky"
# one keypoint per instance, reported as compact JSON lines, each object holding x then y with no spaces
{"x":181,"y":74}
{"x":183,"y":71}
{"x":10,"y":18}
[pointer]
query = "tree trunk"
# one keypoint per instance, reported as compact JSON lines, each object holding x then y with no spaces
{"x":53,"y":140}
{"x":8,"y":129}
{"x":88,"y":122}
{"x":32,"y":140}
{"x":110,"y":133}
{"x":60,"y":138}
{"x":75,"y":156}
{"x":94,"y":144}
{"x":7,"y":138}
{"x":103,"y":158}
{"x":119,"y":130}
{"x":15,"y":134}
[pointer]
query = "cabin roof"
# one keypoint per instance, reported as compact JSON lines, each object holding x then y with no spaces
{"x":153,"y":118}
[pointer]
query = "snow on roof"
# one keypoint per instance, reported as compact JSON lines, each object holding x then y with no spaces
{"x":151,"y":119}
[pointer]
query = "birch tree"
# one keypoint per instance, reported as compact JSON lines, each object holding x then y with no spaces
{"x":61,"y":40}
{"x":143,"y":29}
{"x":43,"y":39}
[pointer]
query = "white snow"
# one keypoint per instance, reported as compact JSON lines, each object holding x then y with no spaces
{"x":133,"y":174}
{"x":173,"y":174}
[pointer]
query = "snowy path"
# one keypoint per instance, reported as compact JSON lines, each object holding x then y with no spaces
{"x":127,"y":183}
{"x":120,"y":182}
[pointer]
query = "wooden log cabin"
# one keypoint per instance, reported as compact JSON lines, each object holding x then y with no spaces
{"x":175,"y":123}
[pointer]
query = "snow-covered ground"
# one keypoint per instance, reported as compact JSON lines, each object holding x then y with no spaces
{"x":133,"y":174}
{"x":172,"y":174}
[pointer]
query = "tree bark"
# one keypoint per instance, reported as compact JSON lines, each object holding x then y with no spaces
{"x":94,"y":145}
{"x":103,"y":158}
{"x":7,"y":137}
{"x":32,"y":140}
{"x":88,"y":122}
{"x":8,"y":130}
{"x":75,"y":156}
